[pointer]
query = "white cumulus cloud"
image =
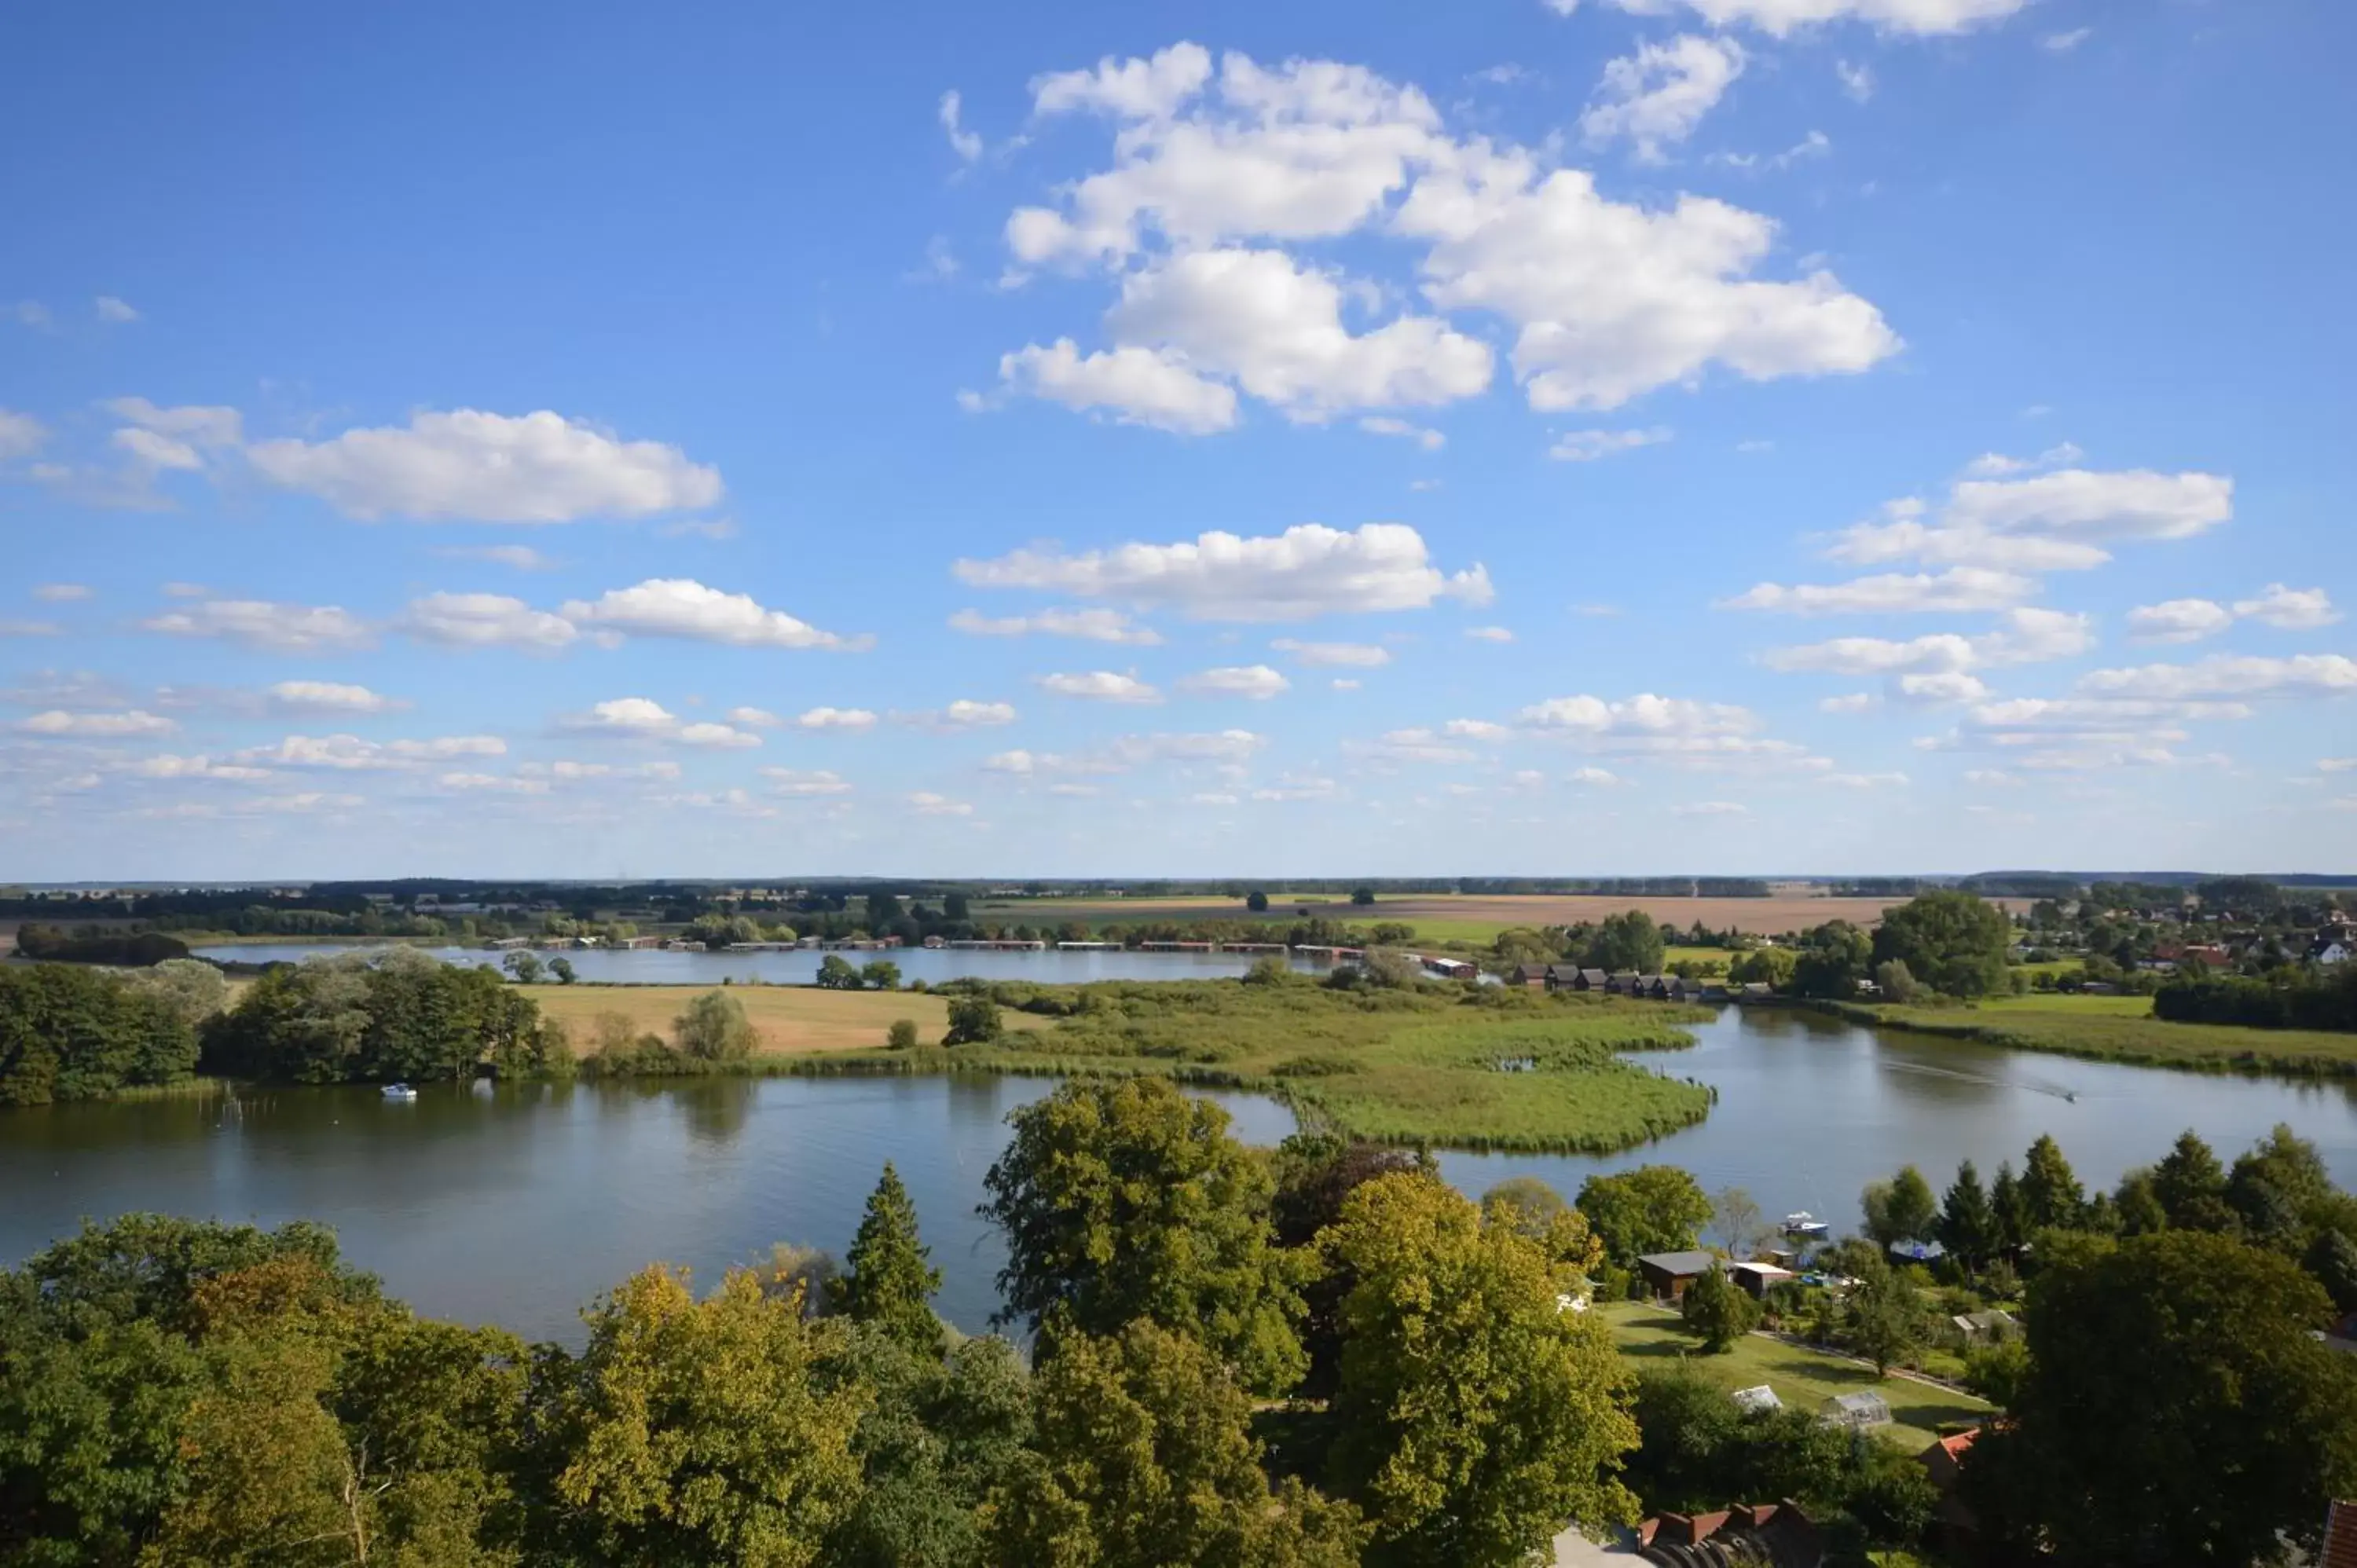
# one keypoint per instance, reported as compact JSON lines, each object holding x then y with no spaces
{"x":2056,"y":521}
{"x":682,"y":607}
{"x":1136,"y":386}
{"x":533,"y":468}
{"x":485,"y":620}
{"x":2179,"y":620}
{"x":134,"y":721}
{"x":1657,"y":96}
{"x":1893,"y":593}
{"x":1308,"y":570}
{"x":836,"y":718}
{"x":1089,"y":625}
{"x":2226,"y":675}
{"x":1275,"y":327}
{"x":1256,"y":681}
{"x":263,"y":623}
{"x":1215,"y":172}
{"x":328,"y":697}
{"x":1101,"y":685}
{"x":642,"y":718}
{"x":805,"y":781}
{"x":966,"y":712}
{"x":1778,"y":17}
{"x":351,"y":752}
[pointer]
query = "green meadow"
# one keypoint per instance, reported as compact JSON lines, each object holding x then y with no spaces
{"x":1480,"y":1070}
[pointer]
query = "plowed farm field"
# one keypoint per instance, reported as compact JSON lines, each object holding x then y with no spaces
{"x":1466,"y":916}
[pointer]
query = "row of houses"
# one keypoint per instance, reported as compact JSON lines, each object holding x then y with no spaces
{"x":1654,"y":987}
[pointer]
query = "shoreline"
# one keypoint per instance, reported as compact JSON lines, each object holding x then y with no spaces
{"x":2218,"y":1059}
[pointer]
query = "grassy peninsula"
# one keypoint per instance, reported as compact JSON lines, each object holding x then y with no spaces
{"x":1486,"y":1070}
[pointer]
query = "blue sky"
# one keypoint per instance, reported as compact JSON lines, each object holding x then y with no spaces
{"x":1613,"y":438}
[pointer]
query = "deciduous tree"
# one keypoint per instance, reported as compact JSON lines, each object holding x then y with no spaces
{"x":691,"y":1433}
{"x":1143,"y":1458}
{"x":1900,"y":1209}
{"x":1653,"y":1209}
{"x":974,"y":1020}
{"x":2176,"y":1408}
{"x":1476,"y":1413}
{"x":1951,"y":940}
{"x":1629,"y":940}
{"x":1125,"y":1198}
{"x":714,"y":1029}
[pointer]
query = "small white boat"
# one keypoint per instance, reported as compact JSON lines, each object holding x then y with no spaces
{"x":1804,"y":1224}
{"x":398,"y":1091}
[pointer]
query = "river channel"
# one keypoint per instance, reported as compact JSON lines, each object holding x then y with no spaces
{"x":518,"y":1204}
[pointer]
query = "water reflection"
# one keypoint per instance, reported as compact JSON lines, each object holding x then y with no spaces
{"x":517,"y":1203}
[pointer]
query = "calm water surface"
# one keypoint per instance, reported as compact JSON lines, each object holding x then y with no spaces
{"x":517,"y":1205}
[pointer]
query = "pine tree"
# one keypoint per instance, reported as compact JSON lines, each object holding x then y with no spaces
{"x":2050,"y":1188}
{"x":1967,"y":1224}
{"x":889,"y":1282}
{"x":2010,"y":1209}
{"x":2191,"y":1186}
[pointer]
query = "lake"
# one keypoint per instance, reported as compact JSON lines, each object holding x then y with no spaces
{"x":517,"y":1204}
{"x":799,"y":966}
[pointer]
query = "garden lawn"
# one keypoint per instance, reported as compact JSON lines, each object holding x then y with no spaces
{"x":2123,"y":1029}
{"x":788,"y":1019}
{"x":1803,"y":1379}
{"x":1487,"y":1069}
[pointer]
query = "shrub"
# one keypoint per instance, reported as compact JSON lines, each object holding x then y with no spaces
{"x":1717,"y":1312}
{"x":902,"y":1034}
{"x":974,"y":1020}
{"x":714,"y":1029}
{"x":1895,"y":982}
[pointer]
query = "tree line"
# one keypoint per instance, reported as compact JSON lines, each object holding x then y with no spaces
{"x":73,"y":1033}
{"x":1305,"y":1358}
{"x":2169,"y":1398}
{"x":2309,"y":1000}
{"x":173,"y":1393}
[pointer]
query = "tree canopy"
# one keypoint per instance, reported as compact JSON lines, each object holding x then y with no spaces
{"x":1126,"y":1198}
{"x":68,"y":1032}
{"x":1629,"y":940}
{"x":888,"y":1282}
{"x":1951,"y":940}
{"x":1653,"y":1209}
{"x":2176,"y":1408}
{"x":1475,"y":1412}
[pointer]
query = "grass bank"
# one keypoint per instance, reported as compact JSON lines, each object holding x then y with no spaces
{"x":2123,"y":1029}
{"x":1492,"y":1069}
{"x":1804,"y":1378}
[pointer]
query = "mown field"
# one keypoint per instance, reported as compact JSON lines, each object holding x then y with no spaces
{"x":2123,"y":1029}
{"x":790,"y":1019}
{"x":1498,"y":1071}
{"x":1474,"y":917}
{"x":1804,"y":1378}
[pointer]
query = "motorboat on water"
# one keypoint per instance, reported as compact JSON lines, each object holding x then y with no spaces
{"x":398,"y":1091}
{"x":1806,"y":1224}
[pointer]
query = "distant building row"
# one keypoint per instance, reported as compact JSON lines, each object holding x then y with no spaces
{"x":1655,"y":987}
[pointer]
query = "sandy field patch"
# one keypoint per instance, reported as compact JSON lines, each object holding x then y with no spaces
{"x":790,"y":1019}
